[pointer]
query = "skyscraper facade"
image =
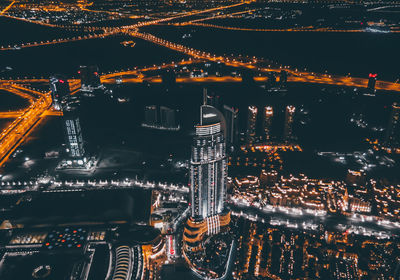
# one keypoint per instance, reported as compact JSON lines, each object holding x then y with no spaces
{"x":289,"y":118}
{"x":59,"y":87}
{"x":251,"y":124}
{"x":208,"y":168}
{"x":232,"y":131}
{"x":73,"y":132}
{"x":268,"y":115}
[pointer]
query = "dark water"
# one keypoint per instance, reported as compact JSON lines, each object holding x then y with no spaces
{"x":341,"y":53}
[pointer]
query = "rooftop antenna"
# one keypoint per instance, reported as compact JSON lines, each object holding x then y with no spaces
{"x":205,"y":96}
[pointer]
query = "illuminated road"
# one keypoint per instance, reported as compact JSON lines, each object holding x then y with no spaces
{"x":7,"y":8}
{"x":19,"y":129}
{"x":10,"y":115}
{"x":304,"y":29}
{"x":294,"y":76}
{"x":55,"y":41}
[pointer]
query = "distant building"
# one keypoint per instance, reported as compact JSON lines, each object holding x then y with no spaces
{"x":59,"y":87}
{"x":73,"y":132}
{"x":231,"y":115}
{"x":90,"y":79}
{"x":289,"y":118}
{"x":372,"y":82}
{"x":160,"y":117}
{"x":283,"y":78}
{"x":356,"y":178}
{"x":267,"y":123}
{"x":151,"y":115}
{"x":251,"y":124}
{"x":392,"y":139}
{"x":167,"y":117}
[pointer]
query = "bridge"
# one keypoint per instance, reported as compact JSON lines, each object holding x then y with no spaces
{"x":13,"y":187}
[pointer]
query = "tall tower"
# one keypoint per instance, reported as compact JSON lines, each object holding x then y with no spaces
{"x":232,"y":131}
{"x":208,"y":169}
{"x":393,"y":131}
{"x":59,"y":87}
{"x":73,"y":132}
{"x":251,"y":124}
{"x":289,"y":117}
{"x":268,"y":114}
{"x":371,"y":82}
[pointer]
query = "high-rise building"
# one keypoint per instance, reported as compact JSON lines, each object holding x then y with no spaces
{"x":90,"y":79}
{"x":59,"y":87}
{"x":167,"y":117}
{"x":208,"y":168}
{"x":251,"y":124}
{"x":151,"y":115}
{"x":372,"y":81}
{"x":268,"y":115}
{"x":283,"y":78}
{"x":232,"y":130}
{"x":393,"y":131}
{"x":289,"y":118}
{"x":73,"y":132}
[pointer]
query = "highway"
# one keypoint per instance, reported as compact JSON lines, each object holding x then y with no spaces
{"x":19,"y":129}
{"x":303,"y":29}
{"x":294,"y":75}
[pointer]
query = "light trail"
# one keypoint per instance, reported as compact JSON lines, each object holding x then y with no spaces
{"x":194,"y":23}
{"x":295,"y":76}
{"x":16,"y":133}
{"x":10,"y":114}
{"x":55,"y":41}
{"x":7,"y":8}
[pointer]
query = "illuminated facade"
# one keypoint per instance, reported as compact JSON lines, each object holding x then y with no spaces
{"x":268,"y":114}
{"x":289,"y":118}
{"x":73,"y":133}
{"x":208,"y":169}
{"x":393,"y":131}
{"x":251,"y":124}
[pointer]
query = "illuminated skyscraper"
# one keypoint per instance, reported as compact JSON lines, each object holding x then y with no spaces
{"x":73,"y":132}
{"x":393,"y":131}
{"x":372,"y":82}
{"x":90,"y":79}
{"x":251,"y":124}
{"x":208,"y":169}
{"x":232,"y":132}
{"x":289,"y":118}
{"x":268,"y":115}
{"x":59,"y":90}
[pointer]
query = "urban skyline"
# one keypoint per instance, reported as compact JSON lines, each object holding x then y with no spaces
{"x":199,"y":140}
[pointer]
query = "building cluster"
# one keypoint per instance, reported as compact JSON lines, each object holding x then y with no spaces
{"x":160,"y":117}
{"x":252,"y":136}
{"x":355,"y":194}
{"x":270,"y":252}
